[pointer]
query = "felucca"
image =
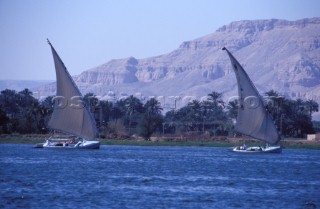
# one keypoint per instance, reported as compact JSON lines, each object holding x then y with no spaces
{"x":70,"y":115}
{"x":253,"y":118}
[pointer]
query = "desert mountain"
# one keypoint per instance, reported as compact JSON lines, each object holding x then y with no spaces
{"x":277,"y":54}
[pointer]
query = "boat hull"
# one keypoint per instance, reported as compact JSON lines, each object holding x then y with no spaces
{"x":269,"y":149}
{"x":88,"y":145}
{"x":80,"y":145}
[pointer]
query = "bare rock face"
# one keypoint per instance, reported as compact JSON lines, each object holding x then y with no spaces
{"x":114,"y":72}
{"x":277,"y":54}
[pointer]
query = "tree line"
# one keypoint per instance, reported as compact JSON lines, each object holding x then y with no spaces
{"x":21,"y":113}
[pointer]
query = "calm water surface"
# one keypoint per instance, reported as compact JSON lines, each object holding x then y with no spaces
{"x":157,"y":177}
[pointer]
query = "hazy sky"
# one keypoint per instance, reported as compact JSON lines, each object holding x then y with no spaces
{"x":89,"y":33}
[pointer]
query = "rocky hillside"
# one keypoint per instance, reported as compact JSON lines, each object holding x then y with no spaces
{"x":277,"y":54}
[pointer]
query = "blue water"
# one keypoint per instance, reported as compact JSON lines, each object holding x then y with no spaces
{"x":157,"y":177}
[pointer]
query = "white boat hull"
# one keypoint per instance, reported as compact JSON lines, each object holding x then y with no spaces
{"x":88,"y":145}
{"x":268,"y":149}
{"x":80,"y":145}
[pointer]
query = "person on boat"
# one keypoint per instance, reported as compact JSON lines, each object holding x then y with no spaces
{"x":244,"y":147}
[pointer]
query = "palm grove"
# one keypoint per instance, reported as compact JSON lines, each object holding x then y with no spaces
{"x":21,"y":113}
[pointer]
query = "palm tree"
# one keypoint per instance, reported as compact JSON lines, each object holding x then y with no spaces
{"x":91,"y":101}
{"x":118,"y":110}
{"x":148,"y":124}
{"x":3,"y":121}
{"x":195,"y":115}
{"x":25,"y":98}
{"x":275,"y":104}
{"x":232,"y":108}
{"x":106,"y":109}
{"x":274,"y":99}
{"x":206,"y":110}
{"x":26,"y":92}
{"x":48,"y":103}
{"x":152,"y":119}
{"x":132,"y":105}
{"x":216,"y":99}
{"x":8,"y":101}
{"x":299,"y":105}
{"x":195,"y":105}
{"x":312,"y":106}
{"x":153,"y":106}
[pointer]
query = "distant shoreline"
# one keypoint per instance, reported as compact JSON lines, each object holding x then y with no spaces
{"x":19,"y":85}
{"x":166,"y":141}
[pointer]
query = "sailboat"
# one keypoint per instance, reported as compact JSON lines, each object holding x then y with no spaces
{"x":253,"y":118}
{"x":70,"y":116}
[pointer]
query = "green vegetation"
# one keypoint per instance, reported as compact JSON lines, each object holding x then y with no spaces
{"x":293,"y":117}
{"x":304,"y":146}
{"x":21,"y":139}
{"x":166,"y":143}
{"x":21,"y":113}
{"x":288,"y":143}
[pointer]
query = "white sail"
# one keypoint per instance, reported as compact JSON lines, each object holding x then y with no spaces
{"x":70,"y":114}
{"x":253,"y":118}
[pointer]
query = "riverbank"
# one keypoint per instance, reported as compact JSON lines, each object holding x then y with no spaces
{"x":170,"y":141}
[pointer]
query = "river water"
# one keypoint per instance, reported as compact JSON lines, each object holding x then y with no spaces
{"x":157,"y":177}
